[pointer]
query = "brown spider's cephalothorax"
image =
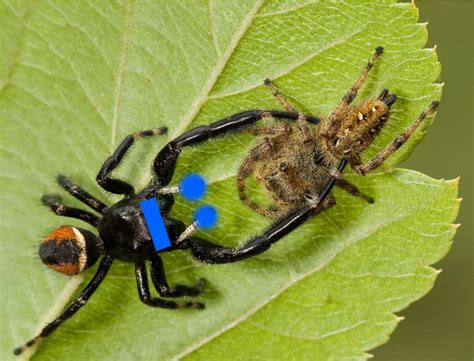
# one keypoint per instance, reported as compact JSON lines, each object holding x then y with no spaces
{"x":291,"y":170}
{"x":295,"y":165}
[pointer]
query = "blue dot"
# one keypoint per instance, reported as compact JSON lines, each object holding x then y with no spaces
{"x":206,"y":217}
{"x":192,"y":187}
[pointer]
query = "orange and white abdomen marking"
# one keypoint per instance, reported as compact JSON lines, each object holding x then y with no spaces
{"x":66,"y":250}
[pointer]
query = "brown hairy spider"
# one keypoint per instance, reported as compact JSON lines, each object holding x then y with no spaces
{"x":294,"y":165}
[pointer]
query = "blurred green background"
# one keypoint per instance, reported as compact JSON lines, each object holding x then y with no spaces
{"x":439,"y":326}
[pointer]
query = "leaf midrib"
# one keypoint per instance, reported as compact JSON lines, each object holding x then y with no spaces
{"x":219,"y":67}
{"x":120,"y":73}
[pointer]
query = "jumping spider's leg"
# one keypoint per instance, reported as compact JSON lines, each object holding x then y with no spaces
{"x":52,"y":201}
{"x":158,"y":277}
{"x":352,"y":93}
{"x":301,"y":121}
{"x":165,"y":161}
{"x":80,"y":301}
{"x":79,"y":193}
{"x":145,"y":296}
{"x":209,"y":252}
{"x":118,"y":186}
{"x":353,"y":190}
{"x":377,"y":160}
{"x":246,"y":169}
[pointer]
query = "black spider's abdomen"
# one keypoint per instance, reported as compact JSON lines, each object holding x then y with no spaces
{"x":125,"y":235}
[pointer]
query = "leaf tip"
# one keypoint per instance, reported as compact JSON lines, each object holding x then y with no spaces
{"x":438,"y":271}
{"x":454,"y":183}
{"x":399,"y":318}
{"x":415,"y":9}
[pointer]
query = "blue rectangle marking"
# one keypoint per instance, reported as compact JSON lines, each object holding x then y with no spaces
{"x":155,"y":224}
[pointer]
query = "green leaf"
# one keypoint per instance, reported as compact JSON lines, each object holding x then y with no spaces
{"x":77,"y":77}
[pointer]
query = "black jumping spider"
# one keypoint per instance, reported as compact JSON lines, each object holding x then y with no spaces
{"x":295,"y":168}
{"x":122,"y":231}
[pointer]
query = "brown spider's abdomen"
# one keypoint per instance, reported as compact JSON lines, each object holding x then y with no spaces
{"x":357,"y":129}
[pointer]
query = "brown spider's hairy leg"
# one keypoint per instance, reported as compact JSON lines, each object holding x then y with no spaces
{"x":77,"y":192}
{"x":80,"y":301}
{"x":247,"y":168}
{"x":158,"y":278}
{"x":145,"y":296}
{"x":377,"y":160}
{"x":352,"y":93}
{"x":118,"y":186}
{"x":279,"y":96}
{"x":301,"y":122}
{"x":52,"y":201}
{"x":353,"y":190}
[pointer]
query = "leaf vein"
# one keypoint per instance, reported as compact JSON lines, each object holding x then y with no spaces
{"x":14,"y":55}
{"x":120,"y":72}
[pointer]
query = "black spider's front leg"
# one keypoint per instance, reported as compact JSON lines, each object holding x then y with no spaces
{"x":145,"y":296}
{"x":158,"y":277}
{"x":165,"y":161}
{"x":209,"y":252}
{"x":52,"y":201}
{"x":118,"y":186}
{"x":77,"y":192}
{"x":80,"y":301}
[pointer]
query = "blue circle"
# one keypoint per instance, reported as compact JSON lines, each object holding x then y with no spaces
{"x":206,"y":217}
{"x":192,"y":187}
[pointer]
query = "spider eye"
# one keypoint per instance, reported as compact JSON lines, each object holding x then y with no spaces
{"x":69,"y":250}
{"x":282,"y":167}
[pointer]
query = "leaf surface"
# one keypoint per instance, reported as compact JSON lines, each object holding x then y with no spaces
{"x":76,"y":78}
